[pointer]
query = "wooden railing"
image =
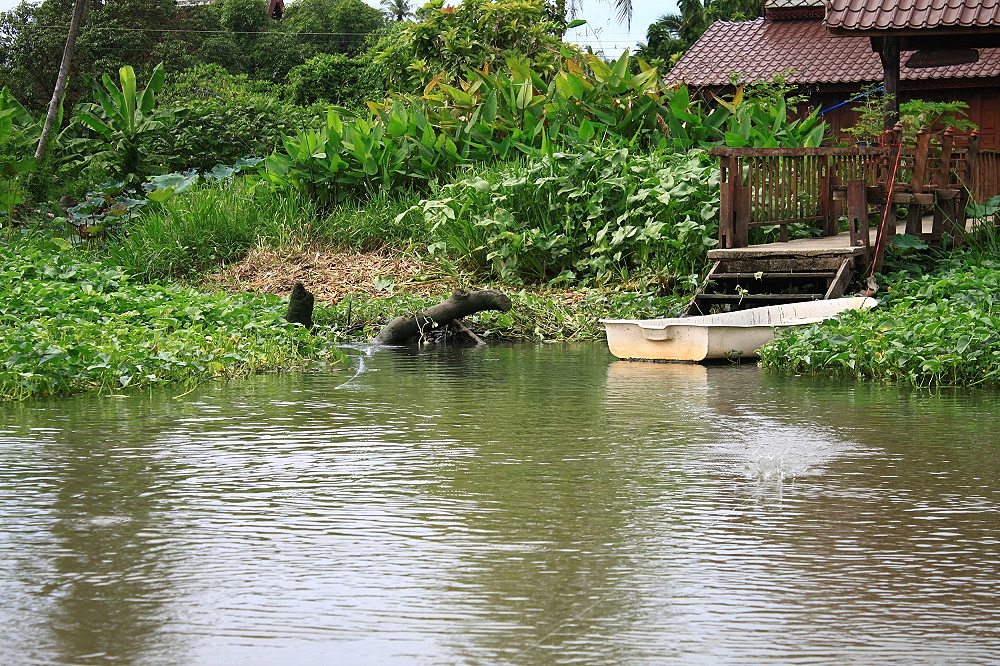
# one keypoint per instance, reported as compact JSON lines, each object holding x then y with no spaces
{"x":762,"y":187}
{"x":783,"y":186}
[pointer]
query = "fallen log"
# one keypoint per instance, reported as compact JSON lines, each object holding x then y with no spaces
{"x":459,"y":304}
{"x":300,"y":306}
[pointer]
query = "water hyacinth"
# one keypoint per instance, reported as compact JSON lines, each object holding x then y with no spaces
{"x":71,"y":324}
{"x":941,"y":329}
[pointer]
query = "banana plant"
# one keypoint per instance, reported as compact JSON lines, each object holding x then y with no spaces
{"x":126,"y":123}
{"x":18,"y":134}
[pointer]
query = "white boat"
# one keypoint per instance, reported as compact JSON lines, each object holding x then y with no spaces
{"x":727,"y":335}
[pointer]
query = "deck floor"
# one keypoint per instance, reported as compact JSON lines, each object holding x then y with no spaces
{"x":821,"y":246}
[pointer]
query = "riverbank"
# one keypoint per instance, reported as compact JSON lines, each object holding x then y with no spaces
{"x":357,"y":292}
{"x":72,"y":323}
{"x":937,"y":329}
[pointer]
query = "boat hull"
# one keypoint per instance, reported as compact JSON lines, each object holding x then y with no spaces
{"x":719,"y":336}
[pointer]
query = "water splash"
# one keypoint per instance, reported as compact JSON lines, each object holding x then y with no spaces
{"x":366,"y":350}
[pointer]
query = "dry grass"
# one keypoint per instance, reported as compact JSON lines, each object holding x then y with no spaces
{"x":329,"y":274}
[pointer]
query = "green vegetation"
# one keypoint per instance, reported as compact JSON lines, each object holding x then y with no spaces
{"x":72,"y":324}
{"x":472,"y":145}
{"x":536,"y":315}
{"x":445,"y":42}
{"x":599,"y":215}
{"x":208,"y":226}
{"x":938,"y":329}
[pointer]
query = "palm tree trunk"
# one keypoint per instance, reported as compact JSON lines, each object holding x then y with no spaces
{"x":57,"y":94}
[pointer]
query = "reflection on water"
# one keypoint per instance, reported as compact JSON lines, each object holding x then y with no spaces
{"x":525,"y":505}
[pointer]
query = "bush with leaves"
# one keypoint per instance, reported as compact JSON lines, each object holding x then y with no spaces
{"x":19,"y":131}
{"x":446,"y":41}
{"x":590,"y":215}
{"x":334,"y":78}
{"x":220,"y":117}
{"x":121,"y":130}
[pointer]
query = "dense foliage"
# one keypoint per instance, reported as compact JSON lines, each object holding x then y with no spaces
{"x":938,"y":329}
{"x":217,"y":117}
{"x":72,"y":324}
{"x":334,"y":78}
{"x":448,"y":40}
{"x":594,"y":215}
{"x":234,"y":34}
{"x":410,"y":141}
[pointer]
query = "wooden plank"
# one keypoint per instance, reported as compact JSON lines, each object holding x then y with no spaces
{"x":727,"y":181}
{"x":805,"y":273}
{"x":797,"y":152}
{"x":760,"y":297}
{"x":943,"y":176}
{"x":920,"y":161}
{"x":857,"y":211}
{"x":741,"y":221}
{"x":840,"y":281}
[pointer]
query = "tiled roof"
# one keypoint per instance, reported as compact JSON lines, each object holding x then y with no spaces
{"x":911,"y":14}
{"x":760,"y":49}
{"x":792,"y":4}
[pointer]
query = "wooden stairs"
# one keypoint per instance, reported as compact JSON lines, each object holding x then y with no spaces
{"x":749,"y":278}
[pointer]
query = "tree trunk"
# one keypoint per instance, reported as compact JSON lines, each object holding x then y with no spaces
{"x":460,"y":304}
{"x":300,"y":306}
{"x":57,"y":94}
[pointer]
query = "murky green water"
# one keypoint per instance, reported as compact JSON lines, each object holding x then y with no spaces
{"x":510,"y":505}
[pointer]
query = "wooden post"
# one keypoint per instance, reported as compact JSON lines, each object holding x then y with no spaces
{"x":857,"y":212}
{"x":914,"y":218}
{"x":943,"y":178}
{"x":889,"y":54}
{"x":826,"y":211}
{"x":727,"y":181}
{"x":741,"y":223}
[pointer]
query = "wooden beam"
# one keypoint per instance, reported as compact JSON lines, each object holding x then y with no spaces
{"x":889,"y":55}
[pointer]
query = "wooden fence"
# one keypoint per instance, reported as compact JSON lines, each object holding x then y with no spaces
{"x":763,"y":187}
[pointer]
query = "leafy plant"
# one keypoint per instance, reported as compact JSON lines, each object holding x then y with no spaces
{"x":125,"y":121}
{"x":72,"y":324}
{"x":18,"y":134}
{"x":333,"y":78}
{"x":446,"y":41}
{"x":938,"y":329}
{"x":592,"y":215}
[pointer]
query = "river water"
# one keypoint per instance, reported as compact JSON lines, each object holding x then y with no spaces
{"x":503,"y":505}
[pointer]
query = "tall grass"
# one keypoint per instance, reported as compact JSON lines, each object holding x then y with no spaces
{"x":373,"y":224}
{"x":209,"y":226}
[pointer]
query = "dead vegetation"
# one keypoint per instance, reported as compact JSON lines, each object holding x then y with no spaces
{"x":330,"y":274}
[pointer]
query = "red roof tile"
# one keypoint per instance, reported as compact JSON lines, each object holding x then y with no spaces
{"x":911,"y":14}
{"x":760,"y":49}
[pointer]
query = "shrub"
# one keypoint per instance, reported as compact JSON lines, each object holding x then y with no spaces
{"x":241,"y":16}
{"x":446,"y":41}
{"x":333,"y":78}
{"x":221,"y":117}
{"x":592,"y":215}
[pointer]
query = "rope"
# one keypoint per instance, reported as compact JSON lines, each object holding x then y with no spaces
{"x":861,"y":95}
{"x":883,"y":226}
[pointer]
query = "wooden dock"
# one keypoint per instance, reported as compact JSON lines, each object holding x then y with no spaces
{"x":788,"y":190}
